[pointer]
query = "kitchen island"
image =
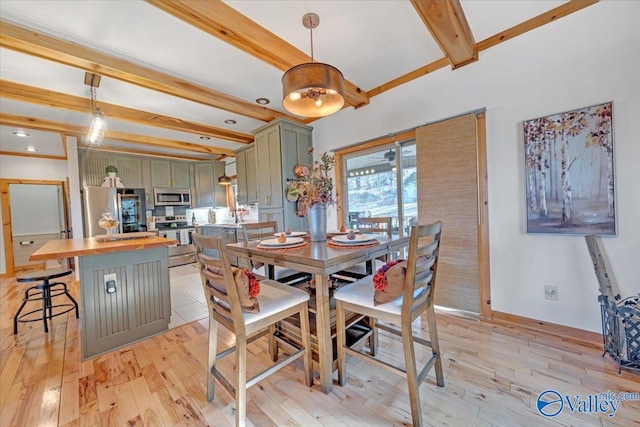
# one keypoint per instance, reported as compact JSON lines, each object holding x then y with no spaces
{"x":124,"y":288}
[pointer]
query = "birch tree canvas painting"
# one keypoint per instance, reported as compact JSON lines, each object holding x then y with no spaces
{"x":569,"y":172}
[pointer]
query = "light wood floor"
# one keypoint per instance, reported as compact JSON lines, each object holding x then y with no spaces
{"x":493,"y":375}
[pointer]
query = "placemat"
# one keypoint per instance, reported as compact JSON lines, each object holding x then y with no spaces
{"x":276,"y":248}
{"x":331,"y":244}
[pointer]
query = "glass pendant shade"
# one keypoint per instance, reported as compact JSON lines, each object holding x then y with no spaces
{"x":97,"y":128}
{"x":313,"y":89}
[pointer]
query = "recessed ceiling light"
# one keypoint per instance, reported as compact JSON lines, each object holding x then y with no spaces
{"x":262,"y":101}
{"x":230,"y":122}
{"x":31,"y":149}
{"x":204,"y":138}
{"x":20,"y":133}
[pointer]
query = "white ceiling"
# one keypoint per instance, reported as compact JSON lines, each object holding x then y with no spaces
{"x":371,"y":42}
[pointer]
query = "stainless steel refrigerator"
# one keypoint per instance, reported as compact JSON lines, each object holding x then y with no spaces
{"x":126,"y":204}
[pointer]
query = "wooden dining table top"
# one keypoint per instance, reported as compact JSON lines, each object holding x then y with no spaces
{"x":316,"y":257}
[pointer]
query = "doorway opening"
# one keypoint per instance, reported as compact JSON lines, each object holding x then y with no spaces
{"x":33,"y":212}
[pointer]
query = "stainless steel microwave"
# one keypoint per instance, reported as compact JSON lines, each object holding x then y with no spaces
{"x":172,"y":196}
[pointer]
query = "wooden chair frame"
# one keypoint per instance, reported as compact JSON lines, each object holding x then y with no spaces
{"x":417,"y":298}
{"x":266,"y":230}
{"x":225,"y":309}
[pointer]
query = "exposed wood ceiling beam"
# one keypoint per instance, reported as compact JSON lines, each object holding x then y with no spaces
{"x":226,"y":23}
{"x":447,"y":24}
{"x":535,"y":22}
{"x":80,"y":131}
{"x":140,"y":152}
{"x":528,"y":25}
{"x":34,"y":95}
{"x":39,"y":44}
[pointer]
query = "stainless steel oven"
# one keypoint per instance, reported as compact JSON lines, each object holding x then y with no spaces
{"x":175,"y":227}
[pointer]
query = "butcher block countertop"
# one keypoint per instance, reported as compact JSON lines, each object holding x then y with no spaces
{"x":66,"y":248}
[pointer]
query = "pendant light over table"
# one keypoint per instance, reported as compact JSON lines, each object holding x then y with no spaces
{"x":312,"y":89}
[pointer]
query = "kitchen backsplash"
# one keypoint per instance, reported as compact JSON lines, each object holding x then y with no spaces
{"x":223,"y":215}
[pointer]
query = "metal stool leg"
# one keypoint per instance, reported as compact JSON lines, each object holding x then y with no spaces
{"x":15,"y":318}
{"x":66,"y":292}
{"x":46,"y":303}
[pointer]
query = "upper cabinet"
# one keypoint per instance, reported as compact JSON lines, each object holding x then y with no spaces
{"x":247,"y":178}
{"x":170,"y":174}
{"x":279,"y":146}
{"x":93,"y":164}
{"x":147,"y":172}
{"x":92,"y":167}
{"x":207,"y":192}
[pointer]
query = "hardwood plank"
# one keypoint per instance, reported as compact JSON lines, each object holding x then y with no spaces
{"x":493,"y":375}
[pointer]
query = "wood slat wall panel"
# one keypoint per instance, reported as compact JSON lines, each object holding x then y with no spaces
{"x":448,"y":191}
{"x":150,"y":298}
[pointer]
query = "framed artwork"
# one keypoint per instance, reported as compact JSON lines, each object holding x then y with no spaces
{"x":570,"y":184}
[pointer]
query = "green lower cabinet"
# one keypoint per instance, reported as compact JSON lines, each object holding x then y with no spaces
{"x":140,"y":306}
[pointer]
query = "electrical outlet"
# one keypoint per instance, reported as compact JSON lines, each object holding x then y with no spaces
{"x":110,"y":283}
{"x":551,"y":293}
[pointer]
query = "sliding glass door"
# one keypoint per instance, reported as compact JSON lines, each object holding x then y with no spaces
{"x":381,"y":182}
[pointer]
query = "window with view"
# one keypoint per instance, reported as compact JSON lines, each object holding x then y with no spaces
{"x":372,"y":180}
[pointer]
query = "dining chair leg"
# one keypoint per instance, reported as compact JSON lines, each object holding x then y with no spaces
{"x":272,"y":343}
{"x":213,"y":347}
{"x":435,"y":344}
{"x":241,"y":386}
{"x":373,"y":338}
{"x":341,"y":342}
{"x":412,"y":373}
{"x":305,"y":329}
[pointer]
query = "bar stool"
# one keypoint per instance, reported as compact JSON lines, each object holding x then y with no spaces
{"x":44,"y":292}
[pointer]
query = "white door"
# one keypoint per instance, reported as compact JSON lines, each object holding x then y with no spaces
{"x":37,"y":216}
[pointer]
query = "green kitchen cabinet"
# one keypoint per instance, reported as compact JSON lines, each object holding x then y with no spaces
{"x":279,"y":147}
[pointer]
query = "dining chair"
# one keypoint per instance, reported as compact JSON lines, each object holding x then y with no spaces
{"x":267,"y":230}
{"x":248,"y":321}
{"x":368,"y":225}
{"x":414,"y":298}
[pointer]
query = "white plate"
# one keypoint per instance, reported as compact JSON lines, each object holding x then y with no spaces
{"x":274,"y":242}
{"x":293,"y":234}
{"x":339,"y":233}
{"x":360,"y":238}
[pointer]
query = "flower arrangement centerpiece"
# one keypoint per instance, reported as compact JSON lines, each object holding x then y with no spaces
{"x":314,"y":188}
{"x":315,"y":185}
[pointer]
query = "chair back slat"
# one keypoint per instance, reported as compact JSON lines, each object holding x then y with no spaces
{"x":259,"y":230}
{"x":220,"y":290}
{"x":422,"y":265}
{"x":375,"y":225}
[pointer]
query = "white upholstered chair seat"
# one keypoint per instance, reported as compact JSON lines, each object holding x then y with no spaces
{"x":361,"y":293}
{"x":274,"y":297}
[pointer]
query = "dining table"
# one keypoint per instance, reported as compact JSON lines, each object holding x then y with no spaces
{"x":320,"y":259}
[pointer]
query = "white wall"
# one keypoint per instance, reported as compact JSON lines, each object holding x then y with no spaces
{"x":590,"y":57}
{"x":22,"y":167}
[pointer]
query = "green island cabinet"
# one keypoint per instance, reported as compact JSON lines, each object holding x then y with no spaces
{"x":279,"y":146}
